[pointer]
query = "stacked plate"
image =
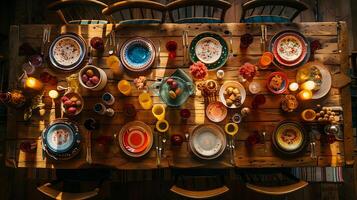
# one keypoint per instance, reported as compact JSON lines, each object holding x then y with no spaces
{"x":67,"y":52}
{"x":209,"y":48}
{"x":289,"y":138}
{"x":208,"y":141}
{"x":61,"y":139}
{"x":137,"y":54}
{"x":290,"y":49}
{"x":135,"y":139}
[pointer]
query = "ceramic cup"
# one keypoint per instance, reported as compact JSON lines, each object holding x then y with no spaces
{"x":158,"y":110}
{"x":108,"y":99}
{"x":162,"y":126}
{"x":100,"y":108}
{"x":124,"y":87}
{"x":145,"y":100}
{"x":97,"y":71}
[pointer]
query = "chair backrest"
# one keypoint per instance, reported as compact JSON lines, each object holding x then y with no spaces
{"x":198,"y":11}
{"x":260,"y":11}
{"x":80,"y":11}
{"x":136,"y":12}
{"x":272,"y":181}
{"x":199,"y":183}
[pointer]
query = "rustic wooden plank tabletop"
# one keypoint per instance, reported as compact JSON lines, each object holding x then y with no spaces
{"x":333,"y":54}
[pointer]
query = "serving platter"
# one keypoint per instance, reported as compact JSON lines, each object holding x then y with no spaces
{"x":61,"y":139}
{"x":135,"y":139}
{"x":209,"y":48}
{"x":290,"y":49}
{"x":137,"y":54}
{"x":67,"y":52}
{"x":208,"y":141}
{"x":320,"y":74}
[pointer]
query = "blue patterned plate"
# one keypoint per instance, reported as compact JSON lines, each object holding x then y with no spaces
{"x":61,"y":139}
{"x":137,"y":54}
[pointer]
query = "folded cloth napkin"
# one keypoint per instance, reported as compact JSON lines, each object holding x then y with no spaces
{"x":319,"y":174}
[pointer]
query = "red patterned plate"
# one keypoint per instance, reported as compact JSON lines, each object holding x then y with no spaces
{"x":135,"y":140}
{"x":289,"y":49}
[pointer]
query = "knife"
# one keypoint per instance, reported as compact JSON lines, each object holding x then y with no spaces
{"x":184,"y":47}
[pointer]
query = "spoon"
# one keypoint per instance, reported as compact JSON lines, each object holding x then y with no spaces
{"x":187,"y":136}
{"x":265,"y":145}
{"x":231,"y":129}
{"x":163,"y":145}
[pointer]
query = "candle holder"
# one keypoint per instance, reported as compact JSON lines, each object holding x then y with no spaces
{"x":305,"y":95}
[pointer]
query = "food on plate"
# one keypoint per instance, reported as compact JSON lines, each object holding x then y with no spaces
{"x":198,"y":70}
{"x":72,"y":103}
{"x":289,"y":103}
{"x":66,"y":51}
{"x":90,"y":78}
{"x":327,"y":114}
{"x":174,"y":89}
{"x":208,"y":50}
{"x":276,"y":82}
{"x":232,"y":96}
{"x":310,"y":74}
{"x":140,"y":82}
{"x":289,"y":48}
{"x":248,"y":71}
{"x":290,"y":136}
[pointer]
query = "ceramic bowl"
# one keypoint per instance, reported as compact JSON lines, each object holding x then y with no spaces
{"x":98,"y":72}
{"x":273,"y":79}
{"x":233,"y":84}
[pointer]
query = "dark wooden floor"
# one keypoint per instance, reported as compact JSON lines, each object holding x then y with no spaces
{"x":20,"y":184}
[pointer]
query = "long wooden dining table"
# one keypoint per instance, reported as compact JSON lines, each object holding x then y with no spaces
{"x":333,"y":54}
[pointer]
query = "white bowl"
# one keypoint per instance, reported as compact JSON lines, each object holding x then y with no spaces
{"x":232,"y":84}
{"x":99,"y":72}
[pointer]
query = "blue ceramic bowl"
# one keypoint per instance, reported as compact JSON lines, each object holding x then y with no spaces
{"x":137,"y":54}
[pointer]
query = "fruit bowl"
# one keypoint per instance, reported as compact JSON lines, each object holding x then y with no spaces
{"x":72,"y":103}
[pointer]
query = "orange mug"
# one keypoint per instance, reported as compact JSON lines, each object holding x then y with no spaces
{"x":266,"y":60}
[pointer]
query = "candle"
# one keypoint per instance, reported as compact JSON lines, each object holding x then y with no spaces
{"x":305,"y":94}
{"x":308,"y":85}
{"x":33,"y":83}
{"x":53,"y":94}
{"x":293,"y":86}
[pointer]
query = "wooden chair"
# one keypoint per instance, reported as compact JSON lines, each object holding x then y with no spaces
{"x":272,"y":11}
{"x":197,"y":182}
{"x":80,"y":175}
{"x":272,"y":181}
{"x":136,"y":12}
{"x":80,"y":11}
{"x":198,"y":11}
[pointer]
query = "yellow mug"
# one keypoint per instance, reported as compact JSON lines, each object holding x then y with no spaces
{"x":231,"y":128}
{"x":162,"y":126}
{"x":158,"y":110}
{"x":145,"y":100}
{"x":124,"y":87}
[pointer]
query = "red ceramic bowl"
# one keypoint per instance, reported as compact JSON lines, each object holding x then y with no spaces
{"x":283,"y":85}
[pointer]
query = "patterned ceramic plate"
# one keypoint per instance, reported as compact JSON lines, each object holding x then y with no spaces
{"x":208,"y":141}
{"x":289,"y":137}
{"x":61,"y":139}
{"x":138,"y":54}
{"x":318,"y":73}
{"x":67,"y":52}
{"x":290,"y":49}
{"x":209,"y":48}
{"x":135,"y":138}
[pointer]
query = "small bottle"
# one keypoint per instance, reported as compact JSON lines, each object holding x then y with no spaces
{"x":108,"y":99}
{"x":220,"y":74}
{"x":109,"y":112}
{"x":100,"y":108}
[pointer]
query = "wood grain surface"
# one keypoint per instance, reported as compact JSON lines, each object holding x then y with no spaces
{"x":265,"y":118}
